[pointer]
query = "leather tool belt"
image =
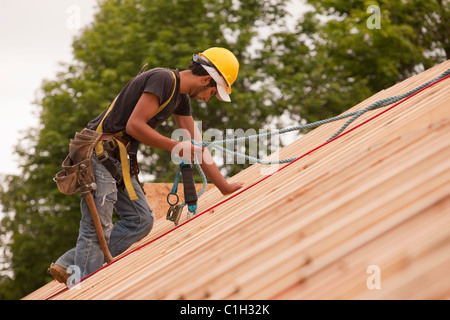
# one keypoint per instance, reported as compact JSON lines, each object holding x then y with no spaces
{"x":78,"y":161}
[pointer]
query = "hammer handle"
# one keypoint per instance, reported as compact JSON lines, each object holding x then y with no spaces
{"x":98,"y":226}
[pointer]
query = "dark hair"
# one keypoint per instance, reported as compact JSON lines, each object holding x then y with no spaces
{"x":198,"y":70}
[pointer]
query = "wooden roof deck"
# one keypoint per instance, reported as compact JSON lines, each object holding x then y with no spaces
{"x":376,"y":198}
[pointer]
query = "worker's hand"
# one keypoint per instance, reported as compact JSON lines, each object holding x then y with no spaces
{"x":187,"y":151}
{"x":231,"y":187}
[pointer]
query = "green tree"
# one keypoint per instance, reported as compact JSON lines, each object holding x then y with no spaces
{"x":333,"y":59}
{"x":327,"y":62}
{"x":107,"y":54}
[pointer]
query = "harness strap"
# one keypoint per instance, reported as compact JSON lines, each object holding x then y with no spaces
{"x":190,"y":194}
{"x":103,"y":157}
{"x":170,"y":98}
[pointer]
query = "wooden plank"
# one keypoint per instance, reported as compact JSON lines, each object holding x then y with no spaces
{"x":157,"y":196}
{"x":374,"y":196}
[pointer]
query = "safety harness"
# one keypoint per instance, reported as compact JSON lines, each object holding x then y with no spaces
{"x":112,"y":141}
{"x":190,"y":194}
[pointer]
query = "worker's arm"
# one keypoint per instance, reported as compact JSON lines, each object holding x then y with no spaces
{"x":207,"y":163}
{"x":138,"y":128}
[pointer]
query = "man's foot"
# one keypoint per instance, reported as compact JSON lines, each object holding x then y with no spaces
{"x":59,"y":273}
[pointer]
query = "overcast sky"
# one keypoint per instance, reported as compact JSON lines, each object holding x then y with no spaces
{"x":35,"y":36}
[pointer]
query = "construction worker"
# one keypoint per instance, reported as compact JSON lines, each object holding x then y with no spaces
{"x":137,"y":112}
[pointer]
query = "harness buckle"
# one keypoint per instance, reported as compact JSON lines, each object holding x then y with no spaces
{"x":102,"y":157}
{"x":111,"y":143}
{"x":174,"y":214}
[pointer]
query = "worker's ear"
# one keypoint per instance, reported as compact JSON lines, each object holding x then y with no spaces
{"x":204,"y":80}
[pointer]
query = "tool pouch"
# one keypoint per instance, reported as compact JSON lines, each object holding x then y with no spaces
{"x":81,"y":149}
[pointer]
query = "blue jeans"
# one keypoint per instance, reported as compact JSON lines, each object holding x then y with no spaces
{"x":136,"y":221}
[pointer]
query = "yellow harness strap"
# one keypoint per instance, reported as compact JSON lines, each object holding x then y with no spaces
{"x":99,"y":150}
{"x":170,"y":98}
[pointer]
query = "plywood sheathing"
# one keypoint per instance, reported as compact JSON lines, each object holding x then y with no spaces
{"x":377,"y":196}
{"x":156,"y":194}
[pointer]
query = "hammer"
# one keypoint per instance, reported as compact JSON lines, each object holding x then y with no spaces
{"x":85,"y":190}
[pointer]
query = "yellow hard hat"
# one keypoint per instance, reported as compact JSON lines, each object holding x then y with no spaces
{"x":227,"y":64}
